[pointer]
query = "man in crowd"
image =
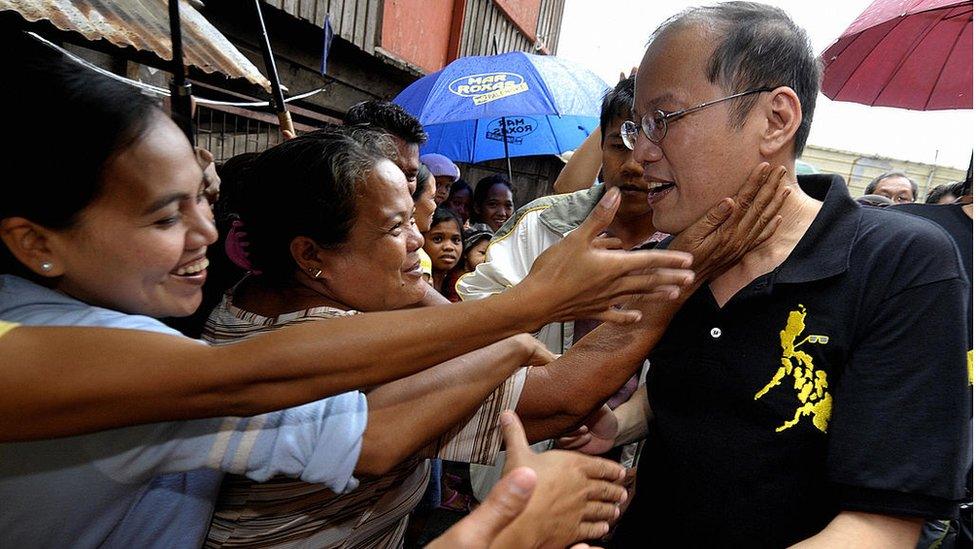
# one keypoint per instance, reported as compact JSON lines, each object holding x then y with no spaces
{"x":545,"y":221}
{"x":792,"y":398}
{"x":897,"y":186}
{"x":407,"y":133}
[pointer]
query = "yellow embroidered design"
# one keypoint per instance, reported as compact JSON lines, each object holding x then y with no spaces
{"x":969,"y":366}
{"x":809,"y":383}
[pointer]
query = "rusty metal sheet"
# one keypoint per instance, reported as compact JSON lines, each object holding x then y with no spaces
{"x":144,"y":25}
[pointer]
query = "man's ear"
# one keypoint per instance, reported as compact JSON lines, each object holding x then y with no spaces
{"x":30,"y":244}
{"x":783,"y":117}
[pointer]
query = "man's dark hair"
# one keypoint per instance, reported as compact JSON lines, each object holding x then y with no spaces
{"x":756,"y":46}
{"x":388,"y":117}
{"x":874,"y":182}
{"x":616,"y":103}
{"x":941,"y":191}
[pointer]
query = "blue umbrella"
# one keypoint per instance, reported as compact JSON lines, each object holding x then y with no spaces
{"x":501,"y":106}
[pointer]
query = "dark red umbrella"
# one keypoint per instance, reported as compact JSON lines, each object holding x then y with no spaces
{"x":913,"y":54}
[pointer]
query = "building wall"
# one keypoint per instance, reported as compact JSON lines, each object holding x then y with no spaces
{"x":418,"y":31}
{"x":858,"y":170}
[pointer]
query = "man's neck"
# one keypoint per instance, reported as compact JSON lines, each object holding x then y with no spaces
{"x":798,"y":212}
{"x":632,"y":231}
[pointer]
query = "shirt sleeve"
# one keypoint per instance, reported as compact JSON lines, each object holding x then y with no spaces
{"x":899,"y":436}
{"x":508,"y":259}
{"x":479,"y":439}
{"x":319,"y":442}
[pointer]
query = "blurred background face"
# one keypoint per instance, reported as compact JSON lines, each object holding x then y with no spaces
{"x":408,"y":160}
{"x":444,"y":183}
{"x":460,"y":204}
{"x":476,"y":255}
{"x":378,"y":267}
{"x":443,"y":244}
{"x":141,"y":246}
{"x":497,"y":207}
{"x":425,"y":206}
{"x":622,"y":171}
{"x":702,"y":159}
{"x":897,"y":188}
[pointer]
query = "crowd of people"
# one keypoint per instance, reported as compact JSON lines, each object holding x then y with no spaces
{"x":321,"y":344}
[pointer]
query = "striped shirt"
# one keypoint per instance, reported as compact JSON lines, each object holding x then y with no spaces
{"x":288,"y":513}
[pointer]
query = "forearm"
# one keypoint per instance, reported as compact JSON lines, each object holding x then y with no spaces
{"x":867,"y":531}
{"x":60,"y":381}
{"x":584,"y":166}
{"x":408,"y":414}
{"x":632,"y":417}
{"x":560,"y":395}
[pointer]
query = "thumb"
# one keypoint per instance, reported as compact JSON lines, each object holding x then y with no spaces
{"x":503,"y":505}
{"x":516,"y":443}
{"x":601,"y":216}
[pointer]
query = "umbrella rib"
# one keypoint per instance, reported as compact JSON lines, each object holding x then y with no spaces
{"x":905,"y":57}
{"x":944,"y":63}
{"x":859,"y":63}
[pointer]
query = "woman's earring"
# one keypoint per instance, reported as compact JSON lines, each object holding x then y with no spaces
{"x":47,"y":266}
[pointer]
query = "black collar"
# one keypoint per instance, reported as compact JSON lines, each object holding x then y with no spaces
{"x":825,"y":249}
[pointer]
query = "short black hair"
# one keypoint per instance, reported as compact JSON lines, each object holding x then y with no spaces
{"x":442,"y":214}
{"x":388,"y":117}
{"x":458,"y":186}
{"x":874,"y":182}
{"x":617,"y":103}
{"x":757,"y":46}
{"x":940,"y":191}
{"x":306,"y":186}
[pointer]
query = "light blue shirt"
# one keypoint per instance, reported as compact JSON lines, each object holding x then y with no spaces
{"x":155,"y":485}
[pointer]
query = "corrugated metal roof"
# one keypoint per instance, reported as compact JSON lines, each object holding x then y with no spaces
{"x":144,"y":25}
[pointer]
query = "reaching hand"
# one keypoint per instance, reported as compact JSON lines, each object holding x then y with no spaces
{"x":583,"y":276}
{"x":575,"y":497}
{"x":595,"y":437}
{"x":538,"y":353}
{"x":736,"y":225}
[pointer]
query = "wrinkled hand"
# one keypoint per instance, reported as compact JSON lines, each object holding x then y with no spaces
{"x":595,"y":437}
{"x":736,"y":225}
{"x":583,"y":275}
{"x":575,"y":498}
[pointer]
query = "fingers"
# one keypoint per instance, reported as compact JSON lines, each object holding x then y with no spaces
{"x":574,"y":442}
{"x":755,"y":211}
{"x":607,"y":492}
{"x":504,"y":503}
{"x":624,"y":262}
{"x":618,"y":316}
{"x":754,"y":184}
{"x":516,"y":444}
{"x":596,"y":511}
{"x":652,"y":282}
{"x":592,"y":530}
{"x":608,"y":243}
{"x":601,"y":216}
{"x":769,"y":211}
{"x":603,"y":469}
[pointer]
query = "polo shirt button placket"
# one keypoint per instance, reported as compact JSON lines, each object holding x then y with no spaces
{"x":716,"y":333}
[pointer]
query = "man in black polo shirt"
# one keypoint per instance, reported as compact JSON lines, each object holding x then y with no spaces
{"x":816,"y":391}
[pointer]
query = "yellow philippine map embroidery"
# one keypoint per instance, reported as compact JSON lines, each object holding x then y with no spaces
{"x":969,"y":366}
{"x":809,"y":383}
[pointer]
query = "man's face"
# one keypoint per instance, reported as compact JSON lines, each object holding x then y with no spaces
{"x":408,"y":161}
{"x":621,"y":171}
{"x":701,"y":159}
{"x":897,"y":188}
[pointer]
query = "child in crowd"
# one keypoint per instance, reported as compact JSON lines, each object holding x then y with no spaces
{"x":459,"y":201}
{"x":476,"y":239}
{"x":444,"y":246}
{"x":493,"y":202}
